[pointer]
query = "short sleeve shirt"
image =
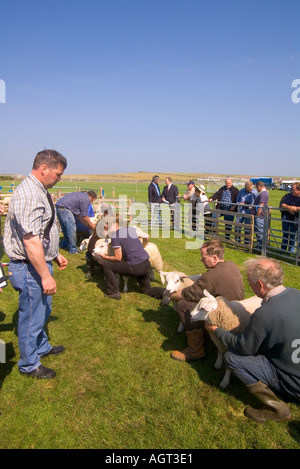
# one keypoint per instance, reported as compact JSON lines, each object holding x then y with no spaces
{"x":77,"y":202}
{"x":29,"y":212}
{"x":132,"y":248}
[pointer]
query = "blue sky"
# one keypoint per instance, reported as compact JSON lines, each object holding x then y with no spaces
{"x":151,"y":85}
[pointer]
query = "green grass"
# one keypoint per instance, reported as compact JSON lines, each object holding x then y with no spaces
{"x":116,"y":385}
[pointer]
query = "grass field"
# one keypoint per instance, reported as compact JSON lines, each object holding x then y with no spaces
{"x":116,"y":385}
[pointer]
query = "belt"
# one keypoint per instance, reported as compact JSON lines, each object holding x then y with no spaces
{"x":24,"y":261}
{"x":62,"y":208}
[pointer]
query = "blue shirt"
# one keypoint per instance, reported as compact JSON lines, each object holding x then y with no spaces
{"x":247,"y":198}
{"x":77,"y":202}
{"x":132,"y":248}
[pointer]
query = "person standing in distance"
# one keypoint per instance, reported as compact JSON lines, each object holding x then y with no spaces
{"x":31,"y":240}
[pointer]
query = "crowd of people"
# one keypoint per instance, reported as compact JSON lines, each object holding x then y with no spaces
{"x":235,"y":204}
{"x":264,"y":357}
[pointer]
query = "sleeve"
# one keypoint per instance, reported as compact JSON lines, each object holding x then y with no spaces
{"x":29,"y":216}
{"x":195,"y":292}
{"x":247,"y":343}
{"x":84,"y":205}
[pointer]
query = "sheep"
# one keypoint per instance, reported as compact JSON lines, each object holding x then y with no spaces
{"x":176,"y":281}
{"x":232,"y":316}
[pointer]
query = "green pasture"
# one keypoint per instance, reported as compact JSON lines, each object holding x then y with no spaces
{"x":116,"y":385}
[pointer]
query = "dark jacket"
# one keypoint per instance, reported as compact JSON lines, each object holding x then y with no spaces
{"x":171,"y":194}
{"x":153,"y":196}
{"x":218,"y":196}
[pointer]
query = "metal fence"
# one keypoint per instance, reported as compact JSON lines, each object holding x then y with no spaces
{"x":276,"y":238}
{"x":271,"y":235}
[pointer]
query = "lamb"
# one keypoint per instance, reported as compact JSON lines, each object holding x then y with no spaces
{"x":229,"y":315}
{"x":176,"y":281}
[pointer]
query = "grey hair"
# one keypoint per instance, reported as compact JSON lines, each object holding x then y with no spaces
{"x":268,"y":271}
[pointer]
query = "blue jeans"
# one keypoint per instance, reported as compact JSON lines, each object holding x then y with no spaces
{"x":289,"y":229}
{"x":250,"y":369}
{"x":34,"y":311}
{"x":259,"y":230}
{"x":68,"y":227}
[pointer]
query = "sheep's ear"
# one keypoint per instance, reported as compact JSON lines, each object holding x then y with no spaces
{"x":163,"y":273}
{"x":182,"y":275}
{"x":207,"y":294}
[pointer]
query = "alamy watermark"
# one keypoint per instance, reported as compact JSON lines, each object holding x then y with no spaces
{"x":163,"y":219}
{"x":296,"y":93}
{"x":2,"y":92}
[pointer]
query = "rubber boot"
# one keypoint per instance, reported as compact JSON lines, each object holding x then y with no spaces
{"x":195,"y":349}
{"x":273,"y":408}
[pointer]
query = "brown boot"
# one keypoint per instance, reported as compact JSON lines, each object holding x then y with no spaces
{"x":195,"y":349}
{"x":274,"y":408}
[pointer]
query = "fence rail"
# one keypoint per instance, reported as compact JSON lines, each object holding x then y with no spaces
{"x":273,"y":236}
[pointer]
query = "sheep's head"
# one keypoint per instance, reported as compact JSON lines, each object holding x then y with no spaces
{"x":173,"y":281}
{"x":102,"y":247}
{"x":207,"y":304}
{"x":84,"y":245}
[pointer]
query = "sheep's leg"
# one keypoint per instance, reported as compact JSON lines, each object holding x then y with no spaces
{"x":219,"y":361}
{"x":225,"y":381}
{"x":125,"y":289}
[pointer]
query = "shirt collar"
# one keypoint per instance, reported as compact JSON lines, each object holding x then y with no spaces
{"x":275,"y":291}
{"x":37,"y":182}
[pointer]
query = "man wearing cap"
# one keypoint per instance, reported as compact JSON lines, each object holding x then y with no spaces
{"x":190,"y":190}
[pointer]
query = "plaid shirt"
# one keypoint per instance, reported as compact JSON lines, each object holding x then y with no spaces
{"x":29,"y":212}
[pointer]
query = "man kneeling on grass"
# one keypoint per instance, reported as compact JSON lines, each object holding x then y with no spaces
{"x":267,"y":353}
{"x":129,"y":258}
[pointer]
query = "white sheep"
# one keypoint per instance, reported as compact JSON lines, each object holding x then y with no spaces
{"x":175,"y":282}
{"x":232,"y":316}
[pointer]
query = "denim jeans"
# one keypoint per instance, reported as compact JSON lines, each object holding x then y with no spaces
{"x":289,"y":229}
{"x":250,"y":369}
{"x":34,"y":311}
{"x":259,"y":230}
{"x":68,"y":227}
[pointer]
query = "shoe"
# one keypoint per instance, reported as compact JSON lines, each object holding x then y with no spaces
{"x":114,"y":296}
{"x":56,"y":350}
{"x":165,"y":298}
{"x":195,"y":349}
{"x":273,"y":407}
{"x":41,"y":372}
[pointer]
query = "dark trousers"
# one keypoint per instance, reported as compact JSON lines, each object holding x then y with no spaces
{"x":140,"y":271}
{"x":184,"y":308}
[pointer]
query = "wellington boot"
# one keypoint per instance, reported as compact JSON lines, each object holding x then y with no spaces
{"x":273,"y":408}
{"x":195,"y":349}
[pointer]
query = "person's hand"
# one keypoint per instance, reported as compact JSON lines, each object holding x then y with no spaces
{"x":210,"y":328}
{"x":49,"y":285}
{"x":61,"y":261}
{"x":1,"y":209}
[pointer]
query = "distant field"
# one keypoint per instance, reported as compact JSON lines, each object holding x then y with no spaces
{"x":122,"y":184}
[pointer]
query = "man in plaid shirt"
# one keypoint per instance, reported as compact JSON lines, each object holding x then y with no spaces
{"x":31,"y":240}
